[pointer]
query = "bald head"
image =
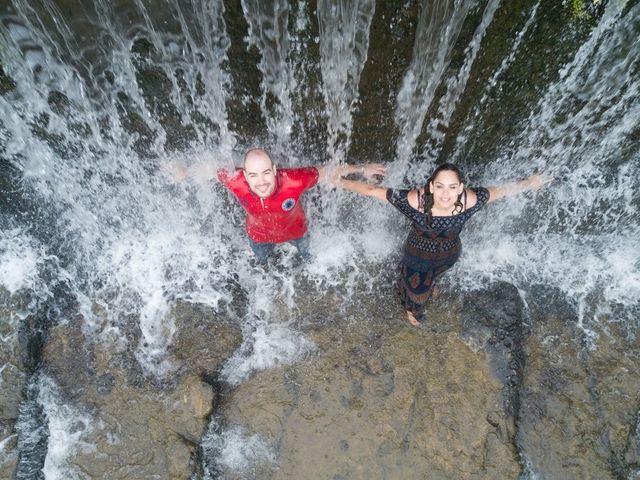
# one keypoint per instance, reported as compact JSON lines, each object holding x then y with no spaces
{"x":257,"y":156}
{"x":260,"y":172}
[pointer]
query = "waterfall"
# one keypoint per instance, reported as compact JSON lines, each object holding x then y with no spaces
{"x":87,"y":138}
{"x":99,"y":101}
{"x":455,"y":87}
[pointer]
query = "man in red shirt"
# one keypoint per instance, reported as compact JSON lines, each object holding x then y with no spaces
{"x":271,"y":198}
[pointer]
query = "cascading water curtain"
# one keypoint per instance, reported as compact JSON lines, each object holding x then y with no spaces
{"x":268,"y":32}
{"x":579,"y":236}
{"x":101,"y":103}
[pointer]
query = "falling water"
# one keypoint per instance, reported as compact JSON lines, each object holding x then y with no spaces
{"x":493,"y":81}
{"x":344,"y":40}
{"x":582,"y":133}
{"x":100,"y":104}
{"x":112,"y":222}
{"x":437,"y":31}
{"x":455,"y":87}
{"x":64,"y":430}
{"x":268,"y":32}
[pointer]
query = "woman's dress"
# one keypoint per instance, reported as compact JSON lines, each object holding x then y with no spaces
{"x":430,"y":249}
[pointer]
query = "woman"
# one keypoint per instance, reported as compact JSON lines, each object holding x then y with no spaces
{"x":437,"y":213}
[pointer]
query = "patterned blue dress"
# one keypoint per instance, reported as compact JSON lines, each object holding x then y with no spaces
{"x":430,"y":249}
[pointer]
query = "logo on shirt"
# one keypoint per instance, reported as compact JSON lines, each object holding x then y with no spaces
{"x":288,"y":204}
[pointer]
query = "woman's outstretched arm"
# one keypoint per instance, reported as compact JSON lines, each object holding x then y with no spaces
{"x":368,"y":170}
{"x":178,"y":171}
{"x":533,"y":182}
{"x":364,"y":189}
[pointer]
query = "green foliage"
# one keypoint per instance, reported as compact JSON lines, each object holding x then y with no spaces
{"x":6,"y":83}
{"x":585,"y":10}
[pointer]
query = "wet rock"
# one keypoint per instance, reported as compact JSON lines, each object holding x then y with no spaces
{"x":141,"y":435}
{"x":493,"y":320}
{"x":6,"y":83}
{"x":579,"y":402}
{"x":558,"y":426}
{"x":199,"y":337}
{"x":612,"y":365}
{"x":485,"y":390}
{"x":386,"y":401}
{"x":143,"y":427}
{"x":13,"y":377}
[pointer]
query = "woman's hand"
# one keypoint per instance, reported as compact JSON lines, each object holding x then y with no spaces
{"x":175,"y":171}
{"x":538,"y":180}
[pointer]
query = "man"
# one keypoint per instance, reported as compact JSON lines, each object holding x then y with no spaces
{"x":271,"y":198}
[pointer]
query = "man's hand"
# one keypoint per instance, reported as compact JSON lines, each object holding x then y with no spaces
{"x":177,"y":171}
{"x":331,"y":176}
{"x":372,"y":171}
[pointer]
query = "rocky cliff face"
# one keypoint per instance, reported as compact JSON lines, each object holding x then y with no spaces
{"x":483,"y":390}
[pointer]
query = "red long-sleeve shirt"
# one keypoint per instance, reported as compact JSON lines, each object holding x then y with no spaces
{"x":279,"y":217}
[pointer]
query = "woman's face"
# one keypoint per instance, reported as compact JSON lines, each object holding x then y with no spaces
{"x":445,"y":189}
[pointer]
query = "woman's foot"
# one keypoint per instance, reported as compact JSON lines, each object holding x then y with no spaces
{"x":412,"y":319}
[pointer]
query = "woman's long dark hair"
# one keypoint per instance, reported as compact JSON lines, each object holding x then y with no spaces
{"x":427,"y":197}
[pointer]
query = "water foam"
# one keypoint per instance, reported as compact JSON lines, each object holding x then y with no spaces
{"x":64,"y":429}
{"x":67,"y":427}
{"x":20,"y":259}
{"x":233,"y":450}
{"x":267,"y":345}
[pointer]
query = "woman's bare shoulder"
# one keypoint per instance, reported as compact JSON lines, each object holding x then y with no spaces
{"x":413,"y":197}
{"x":472,"y":198}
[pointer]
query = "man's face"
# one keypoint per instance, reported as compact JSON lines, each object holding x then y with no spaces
{"x":260,"y":173}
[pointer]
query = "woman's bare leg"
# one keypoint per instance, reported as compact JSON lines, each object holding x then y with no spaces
{"x":412,"y":319}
